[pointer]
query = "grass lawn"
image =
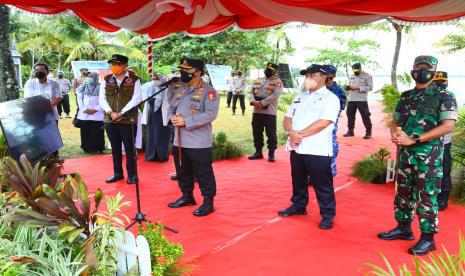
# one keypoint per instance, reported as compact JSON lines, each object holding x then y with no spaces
{"x":237,"y":128}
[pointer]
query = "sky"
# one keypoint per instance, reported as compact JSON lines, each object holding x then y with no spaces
{"x":421,"y":43}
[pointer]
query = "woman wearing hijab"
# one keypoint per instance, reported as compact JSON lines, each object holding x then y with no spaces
{"x":158,"y":132}
{"x":91,"y":114}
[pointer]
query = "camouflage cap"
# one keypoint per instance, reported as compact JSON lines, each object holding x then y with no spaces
{"x":430,"y":60}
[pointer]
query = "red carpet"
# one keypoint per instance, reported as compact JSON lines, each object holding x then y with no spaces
{"x":246,"y":237}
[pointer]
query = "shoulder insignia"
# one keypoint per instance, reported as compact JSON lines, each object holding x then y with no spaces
{"x":212,"y":95}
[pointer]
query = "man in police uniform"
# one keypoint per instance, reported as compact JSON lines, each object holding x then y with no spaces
{"x":425,"y":114}
{"x":332,"y":86}
{"x":193,"y":106}
{"x":264,"y":97}
{"x":238,"y":86}
{"x":309,"y":123}
{"x":441,"y":81}
{"x":120,"y":95}
{"x":360,"y":84}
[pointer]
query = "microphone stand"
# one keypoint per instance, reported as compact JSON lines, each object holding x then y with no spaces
{"x":140,"y":217}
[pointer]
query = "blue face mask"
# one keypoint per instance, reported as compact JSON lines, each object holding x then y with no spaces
{"x":89,"y":81}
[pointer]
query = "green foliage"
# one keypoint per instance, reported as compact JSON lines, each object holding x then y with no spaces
{"x":390,"y":98}
{"x":165,"y":255}
{"x":405,"y":79}
{"x":3,"y":146}
{"x":373,"y":168}
{"x":458,"y":140}
{"x":35,"y":251}
{"x":45,"y":205}
{"x":285,"y":101}
{"x":453,"y":43}
{"x":458,"y":191}
{"x":223,"y":148}
{"x":439,"y":264}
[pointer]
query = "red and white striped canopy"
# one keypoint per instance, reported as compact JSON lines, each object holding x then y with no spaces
{"x":159,"y":18}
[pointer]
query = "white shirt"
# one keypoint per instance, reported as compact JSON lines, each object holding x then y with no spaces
{"x":307,"y":108}
{"x":50,"y":88}
{"x":135,"y":100}
{"x":89,"y":102}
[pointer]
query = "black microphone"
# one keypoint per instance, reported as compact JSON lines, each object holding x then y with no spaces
{"x":172,"y":80}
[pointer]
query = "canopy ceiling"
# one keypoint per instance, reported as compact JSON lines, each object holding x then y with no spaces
{"x":159,"y":18}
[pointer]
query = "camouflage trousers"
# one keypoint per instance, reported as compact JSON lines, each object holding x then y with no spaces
{"x":417,"y":189}
{"x":335,"y":147}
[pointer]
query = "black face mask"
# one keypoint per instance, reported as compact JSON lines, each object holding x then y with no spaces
{"x":422,"y":75}
{"x":357,"y":73}
{"x":268,"y":73}
{"x":60,"y":76}
{"x":40,"y":75}
{"x":186,"y":76}
{"x":441,"y":85}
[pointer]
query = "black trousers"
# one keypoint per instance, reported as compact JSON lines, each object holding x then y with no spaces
{"x":123,"y":134}
{"x":267,"y":122}
{"x":64,"y":105}
{"x":319,"y":169}
{"x":241,"y":100}
{"x":229,"y":98}
{"x":196,"y":162}
{"x":446,"y":183}
{"x":364,"y":111}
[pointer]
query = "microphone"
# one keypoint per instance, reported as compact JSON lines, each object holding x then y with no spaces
{"x":172,"y":80}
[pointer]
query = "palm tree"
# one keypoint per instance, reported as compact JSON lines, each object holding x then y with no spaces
{"x":395,"y":60}
{"x":280,"y":37}
{"x":8,"y":84}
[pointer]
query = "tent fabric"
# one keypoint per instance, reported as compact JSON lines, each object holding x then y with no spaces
{"x":159,"y":18}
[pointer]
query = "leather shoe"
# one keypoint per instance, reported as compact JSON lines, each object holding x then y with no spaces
{"x":271,"y":157}
{"x":132,"y":179}
{"x":174,"y":176}
{"x":326,"y":223}
{"x":398,"y":233}
{"x":422,"y":247}
{"x":185,"y":200}
{"x":204,"y":210}
{"x":349,"y":133}
{"x":291,"y":211}
{"x":114,"y":178}
{"x":367,"y":135}
{"x":256,"y":155}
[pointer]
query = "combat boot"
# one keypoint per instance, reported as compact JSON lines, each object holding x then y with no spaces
{"x":257,"y":155}
{"x":349,"y":133}
{"x":443,"y":197}
{"x":271,"y":157}
{"x":367,"y":134}
{"x":187,"y":199}
{"x":206,"y":208}
{"x":424,"y":245}
{"x":403,"y":231}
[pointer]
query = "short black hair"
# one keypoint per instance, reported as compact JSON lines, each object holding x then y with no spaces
{"x":42,"y":64}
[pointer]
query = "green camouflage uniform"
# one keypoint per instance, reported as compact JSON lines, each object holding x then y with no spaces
{"x":420,"y":165}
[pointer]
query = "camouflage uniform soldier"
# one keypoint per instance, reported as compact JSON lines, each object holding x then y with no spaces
{"x":425,"y":114}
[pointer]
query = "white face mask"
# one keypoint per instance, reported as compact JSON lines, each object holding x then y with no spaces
{"x":310,"y":84}
{"x":157,"y":82}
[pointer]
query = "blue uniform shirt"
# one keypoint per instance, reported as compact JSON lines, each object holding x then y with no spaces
{"x":339,"y":92}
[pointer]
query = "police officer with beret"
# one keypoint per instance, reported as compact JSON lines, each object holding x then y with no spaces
{"x":121,"y":94}
{"x":441,"y":81}
{"x":425,"y":114}
{"x":193,"y":106}
{"x":264,"y":97}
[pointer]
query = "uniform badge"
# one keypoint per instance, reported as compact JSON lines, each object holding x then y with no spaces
{"x":280,"y":84}
{"x":111,"y":81}
{"x":212,"y":95}
{"x":128,"y":81}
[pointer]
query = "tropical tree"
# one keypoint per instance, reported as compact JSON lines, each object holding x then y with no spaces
{"x":453,"y":43}
{"x":283,"y":43}
{"x":8,"y":84}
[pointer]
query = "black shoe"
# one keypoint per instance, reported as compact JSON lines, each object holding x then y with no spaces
{"x":292,"y":211}
{"x":271,"y":157}
{"x":367,"y":135}
{"x":326,"y":224}
{"x":132,"y":179}
{"x":206,"y":208}
{"x":423,"y":246}
{"x":403,"y":231}
{"x":185,"y":200}
{"x":174,"y":176}
{"x":256,"y":155}
{"x":443,"y":197}
{"x":114,"y":178}
{"x":349,"y":133}
{"x":234,"y":113}
{"x":243,"y":113}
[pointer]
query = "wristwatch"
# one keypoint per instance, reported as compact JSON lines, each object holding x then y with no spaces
{"x":108,"y":112}
{"x":416,"y":137}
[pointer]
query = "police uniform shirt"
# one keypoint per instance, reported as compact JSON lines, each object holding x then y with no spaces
{"x":238,"y":84}
{"x":50,"y":88}
{"x":308,"y":108}
{"x":199,"y":107}
{"x":365,"y":84}
{"x":270,"y":90}
{"x":135,"y":100}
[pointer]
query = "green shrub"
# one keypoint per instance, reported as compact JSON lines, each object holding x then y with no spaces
{"x":373,"y":168}
{"x":3,"y":146}
{"x":285,"y":101}
{"x":390,"y":98}
{"x":438,"y":264}
{"x":458,"y":191}
{"x":164,"y":254}
{"x":223,"y":148}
